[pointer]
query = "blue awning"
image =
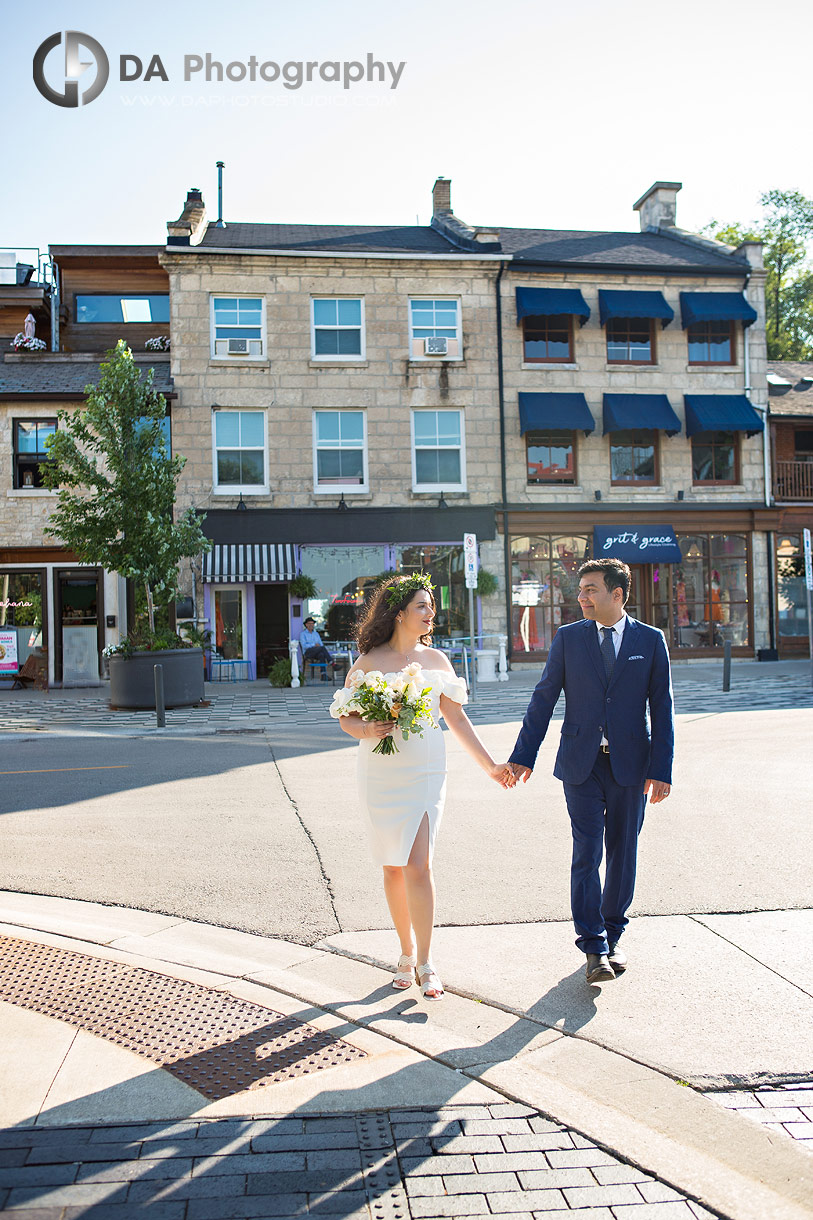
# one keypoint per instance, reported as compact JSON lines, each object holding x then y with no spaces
{"x":637,"y":544}
{"x":715,"y":307}
{"x":628,"y":412}
{"x":721,"y":413}
{"x":629,"y":303}
{"x":549,"y":412}
{"x":545,"y":302}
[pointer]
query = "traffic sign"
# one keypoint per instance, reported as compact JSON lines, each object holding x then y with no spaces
{"x":471,"y":563}
{"x":808,"y":560}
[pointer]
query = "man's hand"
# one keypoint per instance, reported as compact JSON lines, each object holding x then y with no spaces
{"x":520,"y":772}
{"x":657,"y":790}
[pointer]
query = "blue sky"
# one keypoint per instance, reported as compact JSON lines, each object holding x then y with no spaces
{"x":542,"y":114}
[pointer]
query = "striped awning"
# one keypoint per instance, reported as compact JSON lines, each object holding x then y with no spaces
{"x":237,"y":564}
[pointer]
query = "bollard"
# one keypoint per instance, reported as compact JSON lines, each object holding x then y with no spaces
{"x":727,"y":665}
{"x":160,"y":710}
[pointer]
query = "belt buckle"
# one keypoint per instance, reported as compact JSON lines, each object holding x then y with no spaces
{"x":604,"y":749}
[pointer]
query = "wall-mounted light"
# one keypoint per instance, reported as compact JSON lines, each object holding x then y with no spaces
{"x":442,"y":502}
{"x":343,"y":505}
{"x":242,"y":507}
{"x":597,"y":494}
{"x":680,"y":494}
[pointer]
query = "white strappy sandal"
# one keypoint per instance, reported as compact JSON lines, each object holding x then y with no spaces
{"x":429,"y":982}
{"x":405,"y":974}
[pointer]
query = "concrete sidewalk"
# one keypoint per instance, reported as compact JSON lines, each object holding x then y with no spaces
{"x":498,"y":1099}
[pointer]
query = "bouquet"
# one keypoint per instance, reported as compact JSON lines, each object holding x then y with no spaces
{"x":402,"y":699}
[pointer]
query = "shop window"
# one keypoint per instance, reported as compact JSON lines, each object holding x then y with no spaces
{"x":630,"y":341}
{"x":544,"y":587}
{"x":21,"y":621}
{"x":546,"y":340}
{"x":30,"y":437}
{"x":634,"y":457}
{"x":230,"y":632}
{"x":344,"y":576}
{"x":111,"y":307}
{"x":710,"y":591}
{"x":339,"y":451}
{"x":715,"y":457}
{"x":337,"y":328}
{"x":551,"y":457}
{"x":791,"y":595}
{"x":711,"y":342}
{"x":438,"y":453}
{"x":434,"y":319}
{"x":445,"y":565}
{"x":238,"y":327}
{"x":239,"y":451}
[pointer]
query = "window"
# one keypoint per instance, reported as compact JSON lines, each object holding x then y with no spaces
{"x":544,"y":587}
{"x":339,"y":450}
{"x":803,"y":444}
{"x":548,"y":339}
{"x":551,"y":457}
{"x":711,"y":343}
{"x":715,"y":457}
{"x":153,"y":307}
{"x":438,"y":457}
{"x":434,"y":319}
{"x":30,"y":436}
{"x":239,"y":445}
{"x":633,"y":457}
{"x":338,"y":328}
{"x":630,"y":341}
{"x":710,"y":591}
{"x":238,"y":327}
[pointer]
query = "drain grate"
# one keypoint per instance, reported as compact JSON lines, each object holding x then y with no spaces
{"x":212,"y":1041}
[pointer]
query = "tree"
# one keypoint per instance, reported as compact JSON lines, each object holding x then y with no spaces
{"x":117,"y":482}
{"x":786,"y":229}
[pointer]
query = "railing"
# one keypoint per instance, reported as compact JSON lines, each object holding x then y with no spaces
{"x":793,"y":481}
{"x":457,"y":648}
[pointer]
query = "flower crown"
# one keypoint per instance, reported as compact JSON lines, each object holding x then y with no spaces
{"x":408,"y":584}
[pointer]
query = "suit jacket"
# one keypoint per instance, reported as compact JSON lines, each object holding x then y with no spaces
{"x":634,"y":710}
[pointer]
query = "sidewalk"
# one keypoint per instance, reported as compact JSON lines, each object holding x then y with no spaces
{"x":150,"y":1064}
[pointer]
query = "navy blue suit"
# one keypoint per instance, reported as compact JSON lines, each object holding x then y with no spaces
{"x":604,"y":792}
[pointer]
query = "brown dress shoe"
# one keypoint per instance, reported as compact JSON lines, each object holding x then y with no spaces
{"x":617,"y":958}
{"x":599,"y":969}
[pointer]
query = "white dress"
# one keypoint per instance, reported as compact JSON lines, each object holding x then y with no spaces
{"x":398,"y":789}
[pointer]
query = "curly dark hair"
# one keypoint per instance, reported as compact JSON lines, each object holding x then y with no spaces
{"x":377,"y":621}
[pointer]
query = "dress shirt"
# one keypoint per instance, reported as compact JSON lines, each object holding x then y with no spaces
{"x":618,"y":634}
{"x":309,"y":639}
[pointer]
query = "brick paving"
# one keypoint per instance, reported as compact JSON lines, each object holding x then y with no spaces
{"x":786,"y":1107}
{"x":389,"y":1165}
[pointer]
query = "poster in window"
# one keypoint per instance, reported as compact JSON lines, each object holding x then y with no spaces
{"x":8,"y":652}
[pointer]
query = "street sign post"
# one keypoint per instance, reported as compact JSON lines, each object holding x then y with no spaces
{"x":809,"y":593}
{"x":471,"y":565}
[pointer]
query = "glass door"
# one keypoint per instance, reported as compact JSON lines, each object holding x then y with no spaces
{"x":78,"y":619}
{"x":230,"y":623}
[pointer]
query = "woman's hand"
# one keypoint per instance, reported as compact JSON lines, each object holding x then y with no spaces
{"x":503,"y":774}
{"x":378,"y":728}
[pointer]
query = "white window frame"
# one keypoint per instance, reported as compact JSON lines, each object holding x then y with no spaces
{"x":331,"y":359}
{"x":437,"y":487}
{"x":214,"y":354}
{"x":416,"y":345}
{"x":242,"y":589}
{"x":334,"y":489}
{"x":234,"y":489}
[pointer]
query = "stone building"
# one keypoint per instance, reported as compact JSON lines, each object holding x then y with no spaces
{"x":790,"y":385}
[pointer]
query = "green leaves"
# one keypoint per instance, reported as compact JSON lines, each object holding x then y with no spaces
{"x":117,"y":482}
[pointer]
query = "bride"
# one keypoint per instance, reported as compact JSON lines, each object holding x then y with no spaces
{"x":404,"y":793}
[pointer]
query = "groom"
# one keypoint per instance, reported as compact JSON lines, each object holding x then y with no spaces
{"x":611,"y":753}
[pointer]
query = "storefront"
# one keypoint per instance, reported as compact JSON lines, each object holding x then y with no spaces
{"x":246,"y":596}
{"x":791,"y":594}
{"x":692,"y":576}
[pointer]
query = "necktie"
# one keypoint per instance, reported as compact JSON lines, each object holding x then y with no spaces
{"x":608,"y":651}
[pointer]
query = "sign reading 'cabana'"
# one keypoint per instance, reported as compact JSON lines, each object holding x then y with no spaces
{"x":640,"y":544}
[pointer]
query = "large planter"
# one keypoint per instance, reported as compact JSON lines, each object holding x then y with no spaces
{"x":132,"y":680}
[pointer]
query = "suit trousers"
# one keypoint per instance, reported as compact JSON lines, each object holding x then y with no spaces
{"x":603,"y":812}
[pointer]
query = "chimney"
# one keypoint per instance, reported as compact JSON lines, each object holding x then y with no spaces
{"x":442,"y":197}
{"x":658,"y":206}
{"x":189,"y":228}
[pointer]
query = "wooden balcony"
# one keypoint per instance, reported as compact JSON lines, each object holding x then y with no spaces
{"x":793,"y":481}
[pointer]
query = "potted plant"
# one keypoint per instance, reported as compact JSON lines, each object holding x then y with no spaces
{"x":117,"y":486}
{"x":160,"y":343}
{"x":21,"y":343}
{"x":487,"y":583}
{"x":302,"y":587}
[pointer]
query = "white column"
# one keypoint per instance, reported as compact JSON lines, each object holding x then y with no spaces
{"x":293,"y":649}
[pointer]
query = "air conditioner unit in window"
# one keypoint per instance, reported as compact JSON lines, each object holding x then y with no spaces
{"x":435,"y":346}
{"x":237,"y":347}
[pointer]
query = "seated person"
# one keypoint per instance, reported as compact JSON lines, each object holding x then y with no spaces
{"x":311,"y":644}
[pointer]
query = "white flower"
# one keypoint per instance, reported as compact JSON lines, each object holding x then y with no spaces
{"x":412,"y":693}
{"x":356,"y":679}
{"x":398,"y":684}
{"x":373,"y":677}
{"x":342,"y":700}
{"x":412,"y":670}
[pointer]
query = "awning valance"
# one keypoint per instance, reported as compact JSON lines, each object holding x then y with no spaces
{"x":628,"y":412}
{"x":548,"y":412}
{"x":238,"y":564}
{"x":638,"y":544}
{"x":547,"y":302}
{"x":630,"y":303}
{"x":721,"y":413}
{"x":715,"y":307}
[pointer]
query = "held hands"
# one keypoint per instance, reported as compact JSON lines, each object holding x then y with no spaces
{"x":657,"y":790}
{"x":502,"y":773}
{"x":520,"y":773}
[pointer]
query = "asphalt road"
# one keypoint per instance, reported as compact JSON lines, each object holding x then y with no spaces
{"x":263,"y":832}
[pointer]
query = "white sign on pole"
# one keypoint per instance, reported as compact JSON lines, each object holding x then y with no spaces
{"x":470,"y":561}
{"x":808,"y":560}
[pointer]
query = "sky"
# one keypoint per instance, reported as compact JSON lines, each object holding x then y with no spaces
{"x":543,"y":114}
